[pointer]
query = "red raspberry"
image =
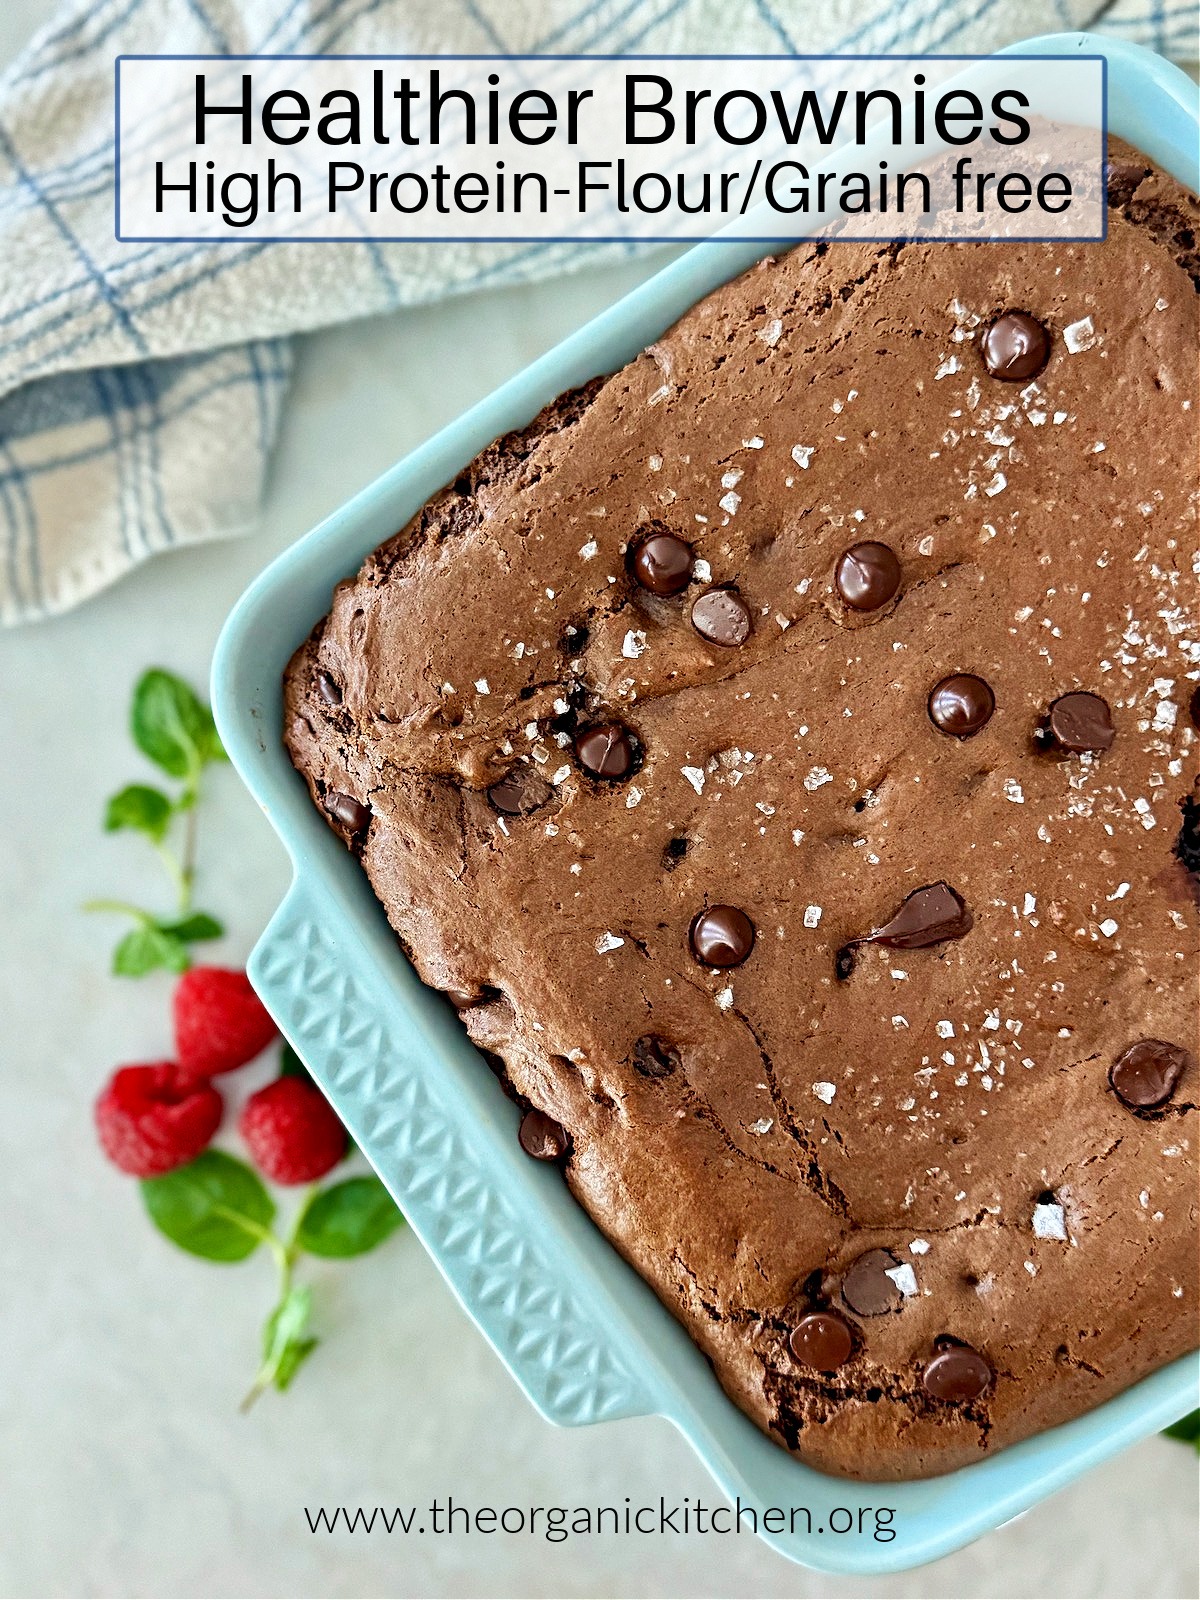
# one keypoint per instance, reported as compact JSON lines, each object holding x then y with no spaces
{"x":292,"y":1131}
{"x":152,"y":1118}
{"x":220,"y":1023}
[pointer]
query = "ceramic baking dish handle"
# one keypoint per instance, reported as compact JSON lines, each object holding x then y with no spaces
{"x":551,"y":1324}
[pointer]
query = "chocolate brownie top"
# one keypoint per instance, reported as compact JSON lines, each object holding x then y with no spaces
{"x":784,"y":753}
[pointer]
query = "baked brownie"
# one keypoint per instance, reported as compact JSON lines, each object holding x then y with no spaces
{"x":783,"y":753}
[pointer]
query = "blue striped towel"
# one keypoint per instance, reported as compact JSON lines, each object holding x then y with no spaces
{"x":141,"y":385}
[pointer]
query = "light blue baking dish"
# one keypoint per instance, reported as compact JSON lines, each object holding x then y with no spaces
{"x":577,"y":1328}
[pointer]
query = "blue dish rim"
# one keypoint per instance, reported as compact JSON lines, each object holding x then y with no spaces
{"x":575,"y":1325}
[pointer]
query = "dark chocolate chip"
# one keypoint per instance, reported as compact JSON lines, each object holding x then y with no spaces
{"x":662,"y":563}
{"x":822,"y":1340}
{"x":1080,"y":721}
{"x":928,"y":916}
{"x":543,"y":1138}
{"x":1016,"y":347}
{"x":867,"y":575}
{"x":956,"y":1372}
{"x":654,"y":1057}
{"x":1194,"y":707}
{"x":521,"y":790}
{"x":961,"y":704}
{"x":722,"y":617}
{"x":344,"y":808}
{"x":1146,"y":1075}
{"x":461,"y":999}
{"x":606,"y":751}
{"x":722,"y":936}
{"x":329,"y":689}
{"x":866,"y":1287}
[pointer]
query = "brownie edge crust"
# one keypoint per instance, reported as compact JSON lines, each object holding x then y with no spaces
{"x":784,"y":754}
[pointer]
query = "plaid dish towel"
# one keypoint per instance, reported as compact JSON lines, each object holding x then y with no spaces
{"x":141,"y":385}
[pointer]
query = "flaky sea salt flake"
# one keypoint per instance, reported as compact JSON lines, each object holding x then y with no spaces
{"x":1079,"y":336}
{"x":904,"y":1278}
{"x":1049,"y":1221}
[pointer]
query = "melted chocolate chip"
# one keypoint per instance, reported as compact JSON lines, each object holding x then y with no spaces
{"x":344,"y":808}
{"x":956,"y":1372}
{"x":662,"y":563}
{"x":867,"y":575}
{"x":822,"y":1340}
{"x":1016,"y":347}
{"x":521,"y":790}
{"x":543,"y":1138}
{"x":461,"y":999}
{"x":606,"y":751}
{"x":928,"y":916}
{"x":1146,"y":1075}
{"x":1080,"y":721}
{"x":866,"y":1287}
{"x":722,"y":936}
{"x":722,"y":617}
{"x":654,"y":1057}
{"x":961,"y":704}
{"x":329,"y":689}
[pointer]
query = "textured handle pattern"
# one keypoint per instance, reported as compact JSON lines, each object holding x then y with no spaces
{"x":492,"y":1241}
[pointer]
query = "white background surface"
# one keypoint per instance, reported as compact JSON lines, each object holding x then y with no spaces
{"x":126,"y":1468}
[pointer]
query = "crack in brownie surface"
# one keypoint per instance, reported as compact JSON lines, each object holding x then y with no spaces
{"x":785,"y":752}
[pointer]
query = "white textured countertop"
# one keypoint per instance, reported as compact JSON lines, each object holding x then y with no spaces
{"x":127,"y":1469}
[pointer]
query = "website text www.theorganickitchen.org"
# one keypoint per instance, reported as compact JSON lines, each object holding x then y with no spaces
{"x":440,"y":1518}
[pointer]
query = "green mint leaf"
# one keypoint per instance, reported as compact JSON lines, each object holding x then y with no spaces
{"x":215,"y":1207}
{"x":141,"y":807}
{"x":171,"y":726}
{"x":287,"y":1322}
{"x":194,"y":928}
{"x":285,"y":1345}
{"x":291,"y":1359}
{"x":212,"y":749}
{"x":290,"y":1064}
{"x":348,"y":1218}
{"x":147,"y":949}
{"x":1187,"y":1429}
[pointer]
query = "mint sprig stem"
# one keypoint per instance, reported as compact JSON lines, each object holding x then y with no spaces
{"x":219,"y":1208}
{"x":173,"y":728}
{"x":286,"y":1324}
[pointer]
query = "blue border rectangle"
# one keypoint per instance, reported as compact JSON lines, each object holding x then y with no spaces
{"x":771,"y":241}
